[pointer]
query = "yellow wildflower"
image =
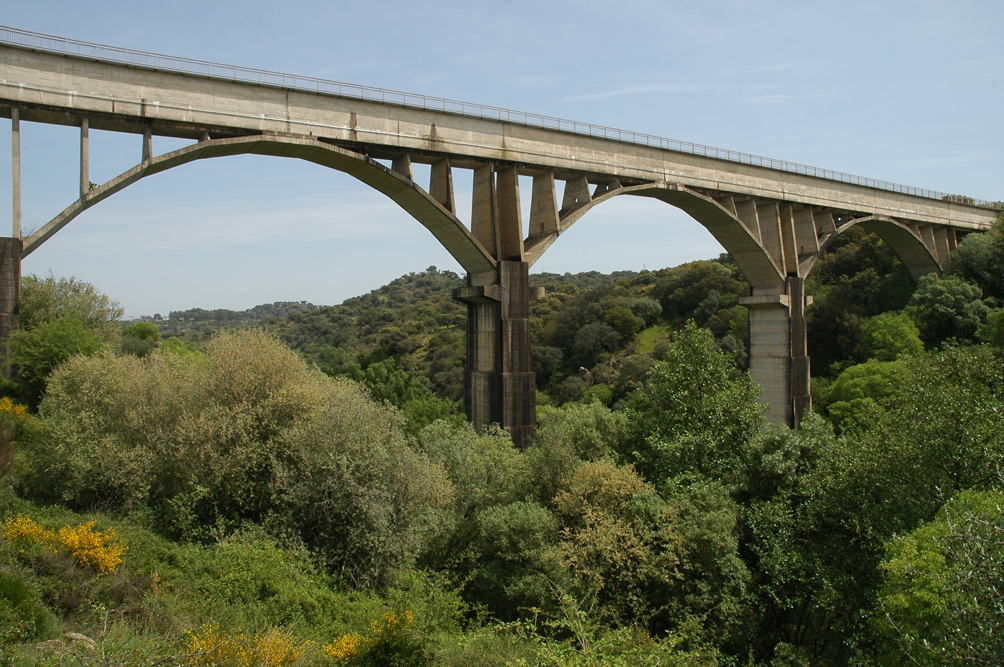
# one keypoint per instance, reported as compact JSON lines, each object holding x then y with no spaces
{"x":209,"y":646}
{"x":91,"y":547}
{"x":344,"y":648}
{"x":21,"y":530}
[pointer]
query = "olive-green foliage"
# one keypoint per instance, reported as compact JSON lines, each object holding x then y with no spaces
{"x":179,"y":347}
{"x":941,"y":598}
{"x":889,"y":336}
{"x":139,"y":338}
{"x":362,"y":496}
{"x":620,"y":542}
{"x":246,"y":582}
{"x":822,"y":507}
{"x":695,"y":416}
{"x":979,"y":259}
{"x":22,"y":615}
{"x":947,"y":308}
{"x":142,"y":331}
{"x":715,"y":583}
{"x":648,"y":310}
{"x":45,"y":300}
{"x":247,"y":434}
{"x":592,"y":431}
{"x":993,"y":331}
{"x":857,"y":278}
{"x":36,"y":352}
{"x":566,"y":437}
{"x":681,"y":290}
{"x":863,"y":387}
{"x":412,"y":319}
{"x":598,"y":393}
{"x":409,"y":392}
{"x":500,"y":537}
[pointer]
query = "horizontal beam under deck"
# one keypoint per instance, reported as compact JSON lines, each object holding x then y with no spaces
{"x":53,"y":88}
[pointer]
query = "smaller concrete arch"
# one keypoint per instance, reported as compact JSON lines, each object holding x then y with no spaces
{"x":753,"y":260}
{"x":904,"y":240}
{"x":443,"y":224}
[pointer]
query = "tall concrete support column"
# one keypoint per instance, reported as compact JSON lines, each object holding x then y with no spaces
{"x":779,"y":360}
{"x":10,"y":291}
{"x":499,"y":384}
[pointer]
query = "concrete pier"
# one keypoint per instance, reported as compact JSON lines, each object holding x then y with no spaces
{"x":779,"y":360}
{"x":10,"y":290}
{"x":499,"y":385}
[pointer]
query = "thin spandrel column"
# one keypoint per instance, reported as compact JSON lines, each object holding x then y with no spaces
{"x":15,"y":121}
{"x":85,"y":177}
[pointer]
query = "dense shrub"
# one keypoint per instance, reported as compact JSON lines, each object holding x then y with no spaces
{"x":248,"y":434}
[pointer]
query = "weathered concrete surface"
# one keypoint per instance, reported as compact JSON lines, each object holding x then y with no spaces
{"x":61,"y":89}
{"x":446,"y":227}
{"x":499,"y":385}
{"x":10,"y":292}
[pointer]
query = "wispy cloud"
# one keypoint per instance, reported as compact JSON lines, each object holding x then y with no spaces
{"x":768,"y":99}
{"x":638,"y":90}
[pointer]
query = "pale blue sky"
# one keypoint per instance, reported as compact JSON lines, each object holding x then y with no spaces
{"x":909,"y":92}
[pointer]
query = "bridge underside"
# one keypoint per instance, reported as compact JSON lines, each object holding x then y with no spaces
{"x":774,"y":223}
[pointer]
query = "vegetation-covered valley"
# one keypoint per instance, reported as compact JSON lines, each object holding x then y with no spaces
{"x":297,"y":486}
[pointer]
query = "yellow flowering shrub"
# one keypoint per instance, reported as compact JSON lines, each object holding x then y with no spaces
{"x":210,"y":646}
{"x":344,"y":648}
{"x":387,"y":637}
{"x":20,"y":531}
{"x":90,"y":548}
{"x":16,"y":409}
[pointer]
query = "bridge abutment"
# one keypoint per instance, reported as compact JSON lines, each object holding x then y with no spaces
{"x":499,"y":384}
{"x":779,"y":360}
{"x":10,"y":292}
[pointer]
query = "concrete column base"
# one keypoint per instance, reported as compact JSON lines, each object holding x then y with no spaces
{"x":10,"y":293}
{"x":499,"y":387}
{"x":779,"y":362}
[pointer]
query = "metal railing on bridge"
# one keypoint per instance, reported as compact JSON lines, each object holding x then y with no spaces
{"x":112,"y":54}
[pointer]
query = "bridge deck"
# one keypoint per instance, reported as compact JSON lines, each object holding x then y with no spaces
{"x":53,"y":88}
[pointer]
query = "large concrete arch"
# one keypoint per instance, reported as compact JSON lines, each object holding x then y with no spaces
{"x":904,"y":240}
{"x":443,"y":224}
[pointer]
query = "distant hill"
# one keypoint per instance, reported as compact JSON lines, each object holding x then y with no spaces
{"x":596,"y":336}
{"x":188,"y":324}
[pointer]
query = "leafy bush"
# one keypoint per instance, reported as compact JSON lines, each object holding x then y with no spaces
{"x":947,"y":308}
{"x":695,"y":416}
{"x":248,"y":434}
{"x":941,"y":599}
{"x":35,"y":353}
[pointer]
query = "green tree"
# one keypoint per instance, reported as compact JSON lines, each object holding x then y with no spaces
{"x":946,"y":308}
{"x":140,"y":338}
{"x":647,"y":309}
{"x":620,"y":543}
{"x":696,"y":414}
{"x":941,"y":601}
{"x":36,"y":352}
{"x":979,"y":259}
{"x":45,"y":300}
{"x":889,"y":336}
{"x":993,"y":331}
{"x":863,"y":387}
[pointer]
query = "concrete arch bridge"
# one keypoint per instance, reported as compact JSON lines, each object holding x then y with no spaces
{"x":773,"y":217}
